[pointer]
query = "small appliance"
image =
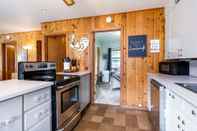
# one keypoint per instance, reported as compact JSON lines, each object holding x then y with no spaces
{"x":174,"y":67}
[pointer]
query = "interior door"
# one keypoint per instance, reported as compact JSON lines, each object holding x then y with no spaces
{"x":56,"y":51}
{"x":9,"y":60}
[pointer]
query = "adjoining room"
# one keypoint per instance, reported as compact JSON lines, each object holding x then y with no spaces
{"x":107,"y":67}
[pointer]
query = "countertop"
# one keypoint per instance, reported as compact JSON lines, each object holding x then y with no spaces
{"x":13,"y":88}
{"x":169,"y":82}
{"x":80,"y":73}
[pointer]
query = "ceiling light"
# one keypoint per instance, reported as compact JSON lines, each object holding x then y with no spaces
{"x":109,"y":19}
{"x":69,"y":2}
{"x":8,"y":37}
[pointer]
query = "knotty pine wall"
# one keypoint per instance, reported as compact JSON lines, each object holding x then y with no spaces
{"x":21,"y":39}
{"x":134,"y":70}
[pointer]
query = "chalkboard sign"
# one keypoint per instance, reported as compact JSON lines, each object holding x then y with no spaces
{"x":137,"y":46}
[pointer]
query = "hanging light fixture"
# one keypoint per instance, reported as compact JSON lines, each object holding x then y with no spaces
{"x":69,"y":2}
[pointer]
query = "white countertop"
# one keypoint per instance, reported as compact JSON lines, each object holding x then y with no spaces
{"x":80,"y":73}
{"x":169,"y":82}
{"x":13,"y":88}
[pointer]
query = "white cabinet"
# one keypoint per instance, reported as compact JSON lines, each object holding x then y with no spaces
{"x":180,"y":114}
{"x":181,"y":20}
{"x":36,"y":115}
{"x":42,"y":126}
{"x":30,"y":112}
{"x":84,"y":91}
{"x":33,"y":99}
{"x":171,"y":112}
{"x":11,"y":115}
{"x":37,"y":107}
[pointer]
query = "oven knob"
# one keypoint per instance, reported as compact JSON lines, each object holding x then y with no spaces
{"x":31,"y":66}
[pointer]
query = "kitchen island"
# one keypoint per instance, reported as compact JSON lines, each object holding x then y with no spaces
{"x":25,"y":105}
{"x":177,"y":105}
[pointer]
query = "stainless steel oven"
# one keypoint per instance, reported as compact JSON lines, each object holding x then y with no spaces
{"x":67,"y":103}
{"x":65,"y":92}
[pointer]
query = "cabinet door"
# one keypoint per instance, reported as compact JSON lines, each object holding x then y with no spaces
{"x":44,"y":125}
{"x":190,"y":117}
{"x":11,"y":115}
{"x":85,"y":91}
{"x":171,"y":112}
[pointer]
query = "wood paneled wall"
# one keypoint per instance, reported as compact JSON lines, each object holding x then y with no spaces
{"x":22,"y":39}
{"x":134,"y":70}
{"x":134,"y":81}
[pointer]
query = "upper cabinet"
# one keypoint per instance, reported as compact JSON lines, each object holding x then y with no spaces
{"x":181,"y":33}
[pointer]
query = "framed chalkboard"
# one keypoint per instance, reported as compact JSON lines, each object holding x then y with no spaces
{"x":137,"y":46}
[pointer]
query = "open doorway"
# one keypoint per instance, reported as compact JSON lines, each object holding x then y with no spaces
{"x":107,"y":67}
{"x":9,"y":60}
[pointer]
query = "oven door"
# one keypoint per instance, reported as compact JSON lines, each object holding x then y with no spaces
{"x":67,"y":103}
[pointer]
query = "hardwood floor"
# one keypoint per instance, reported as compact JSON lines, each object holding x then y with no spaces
{"x":113,"y":118}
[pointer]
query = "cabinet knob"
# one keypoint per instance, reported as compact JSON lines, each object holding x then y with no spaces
{"x":183,"y":122}
{"x":179,"y":126}
{"x":179,"y":118}
{"x":173,"y":97}
{"x":193,"y":113}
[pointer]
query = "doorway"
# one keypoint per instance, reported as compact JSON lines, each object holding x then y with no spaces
{"x":55,"y":48}
{"x":9,"y":60}
{"x":107,"y":67}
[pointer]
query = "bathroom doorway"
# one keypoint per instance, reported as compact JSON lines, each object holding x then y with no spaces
{"x":107,"y":67}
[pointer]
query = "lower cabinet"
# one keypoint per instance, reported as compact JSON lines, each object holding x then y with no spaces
{"x":180,"y":115}
{"x":84,"y":91}
{"x":42,"y":125}
{"x":11,"y":115}
{"x":18,"y":114}
{"x":34,"y":116}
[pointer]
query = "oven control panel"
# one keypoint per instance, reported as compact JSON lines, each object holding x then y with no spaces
{"x":36,"y":66}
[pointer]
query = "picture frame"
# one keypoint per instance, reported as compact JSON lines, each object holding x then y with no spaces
{"x":137,"y":46}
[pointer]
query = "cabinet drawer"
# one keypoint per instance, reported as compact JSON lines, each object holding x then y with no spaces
{"x":190,"y":112}
{"x":33,"y":99}
{"x":11,"y":115}
{"x":44,"y":125}
{"x":36,"y":115}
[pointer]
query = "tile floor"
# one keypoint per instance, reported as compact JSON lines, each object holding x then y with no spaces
{"x":108,"y":93}
{"x":113,"y":118}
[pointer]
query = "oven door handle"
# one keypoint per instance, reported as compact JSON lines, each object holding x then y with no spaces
{"x":60,"y":87}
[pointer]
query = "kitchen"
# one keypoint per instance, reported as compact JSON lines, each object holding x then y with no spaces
{"x":56,"y":86}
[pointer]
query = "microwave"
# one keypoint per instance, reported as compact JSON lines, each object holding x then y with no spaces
{"x":174,"y":67}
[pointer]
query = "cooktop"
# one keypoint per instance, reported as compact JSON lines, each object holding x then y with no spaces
{"x":62,"y":79}
{"x":190,"y":86}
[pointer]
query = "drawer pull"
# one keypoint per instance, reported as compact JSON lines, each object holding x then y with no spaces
{"x":193,"y":113}
{"x":183,"y":122}
{"x":179,"y":118}
{"x":179,"y":126}
{"x":173,"y":97}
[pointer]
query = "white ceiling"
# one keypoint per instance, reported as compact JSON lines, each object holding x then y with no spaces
{"x":26,"y":15}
